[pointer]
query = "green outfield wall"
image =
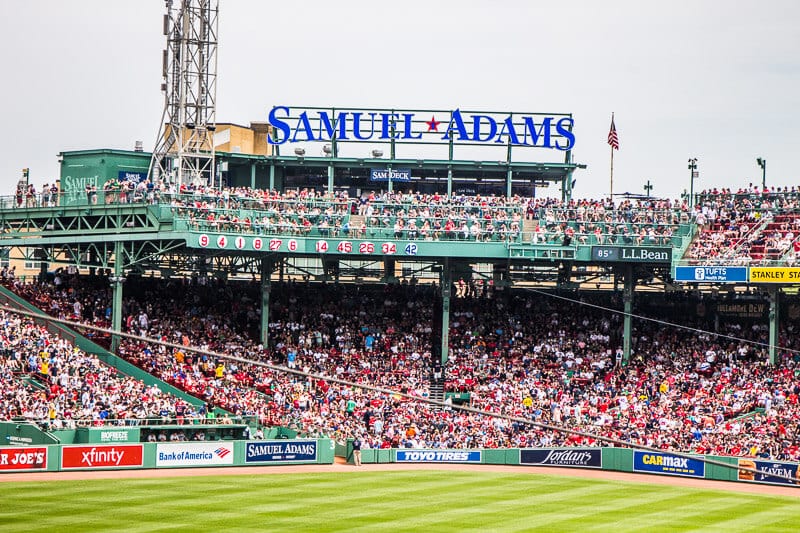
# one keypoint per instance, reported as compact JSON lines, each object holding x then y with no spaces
{"x":126,"y":455}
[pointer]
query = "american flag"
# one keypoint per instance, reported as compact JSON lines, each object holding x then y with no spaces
{"x":613,"y":140}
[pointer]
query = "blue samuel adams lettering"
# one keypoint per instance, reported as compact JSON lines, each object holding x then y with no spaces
{"x":269,"y":451}
{"x":438,"y":456}
{"x":355,"y":125}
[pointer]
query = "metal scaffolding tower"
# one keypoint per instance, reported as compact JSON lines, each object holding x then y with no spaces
{"x":184,"y":150}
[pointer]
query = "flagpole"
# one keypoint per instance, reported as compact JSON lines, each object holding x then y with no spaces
{"x":611,"y":191}
{"x":611,"y":145}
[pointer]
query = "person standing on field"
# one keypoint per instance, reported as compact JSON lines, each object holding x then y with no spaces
{"x":357,"y":450}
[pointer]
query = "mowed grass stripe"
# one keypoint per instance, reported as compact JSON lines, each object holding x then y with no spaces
{"x":604,"y":504}
{"x":637,"y":513}
{"x":688,"y":513}
{"x":383,"y":501}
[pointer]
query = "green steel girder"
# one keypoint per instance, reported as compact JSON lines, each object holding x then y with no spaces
{"x":150,"y":240}
{"x":101,"y":254}
{"x":78,"y":220}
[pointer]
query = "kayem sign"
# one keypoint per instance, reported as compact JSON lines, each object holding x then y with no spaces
{"x":102,"y":456}
{"x":26,"y":459}
{"x":769,"y":472}
{"x":194,"y":454}
{"x":281,"y":450}
{"x":438,"y":456}
{"x":572,"y":457}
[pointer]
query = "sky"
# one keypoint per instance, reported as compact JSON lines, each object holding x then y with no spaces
{"x":714,"y":80}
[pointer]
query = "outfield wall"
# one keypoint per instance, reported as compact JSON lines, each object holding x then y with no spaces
{"x":144,"y":455}
{"x":615,"y":459}
{"x":226,"y":453}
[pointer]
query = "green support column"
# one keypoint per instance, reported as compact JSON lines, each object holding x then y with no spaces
{"x":43,"y":271}
{"x":627,"y":298}
{"x":266,"y":289}
{"x":252,"y":175}
{"x":449,"y":182}
{"x":330,"y":179}
{"x":510,"y":174}
{"x":774,"y":320}
{"x":389,"y":267}
{"x":450,"y":165}
{"x":566,"y":195}
{"x":116,"y":305}
{"x":389,"y":168}
{"x":447,"y":284}
{"x":272,"y":176}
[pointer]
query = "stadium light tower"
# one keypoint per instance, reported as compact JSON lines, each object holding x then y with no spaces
{"x":763,"y":164}
{"x":692,"y":175}
{"x":184,"y":150}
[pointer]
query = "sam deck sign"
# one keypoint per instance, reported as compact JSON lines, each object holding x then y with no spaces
{"x":270,"y":451}
{"x":385,"y":174}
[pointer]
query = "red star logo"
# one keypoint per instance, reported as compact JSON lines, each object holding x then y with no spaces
{"x":433,"y":124}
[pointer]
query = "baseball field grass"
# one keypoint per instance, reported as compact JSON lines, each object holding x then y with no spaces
{"x":421,"y":501}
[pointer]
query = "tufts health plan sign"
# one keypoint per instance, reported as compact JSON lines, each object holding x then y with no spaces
{"x":711,"y":274}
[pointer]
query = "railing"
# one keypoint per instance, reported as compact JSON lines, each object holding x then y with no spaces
{"x":260,"y":212}
{"x":172,"y":420}
{"x":550,"y":215}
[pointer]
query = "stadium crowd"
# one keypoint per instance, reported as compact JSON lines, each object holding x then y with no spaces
{"x":46,"y":380}
{"x":512,"y":352}
{"x":746,"y":227}
{"x":742,"y":227}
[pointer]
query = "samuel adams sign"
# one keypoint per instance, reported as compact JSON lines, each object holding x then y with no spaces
{"x":291,"y":125}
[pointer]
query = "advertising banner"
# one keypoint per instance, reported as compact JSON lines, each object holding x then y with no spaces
{"x":768,"y":470}
{"x":385,"y":174}
{"x":664,"y":463}
{"x":571,"y":457}
{"x":439,"y":456}
{"x":774,"y":274}
{"x":711,"y":274}
{"x":743,"y":309}
{"x":127,"y":175}
{"x":23,"y":458}
{"x":280,"y":450}
{"x":102,"y":456}
{"x":194,"y":454}
{"x":633,"y":254}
